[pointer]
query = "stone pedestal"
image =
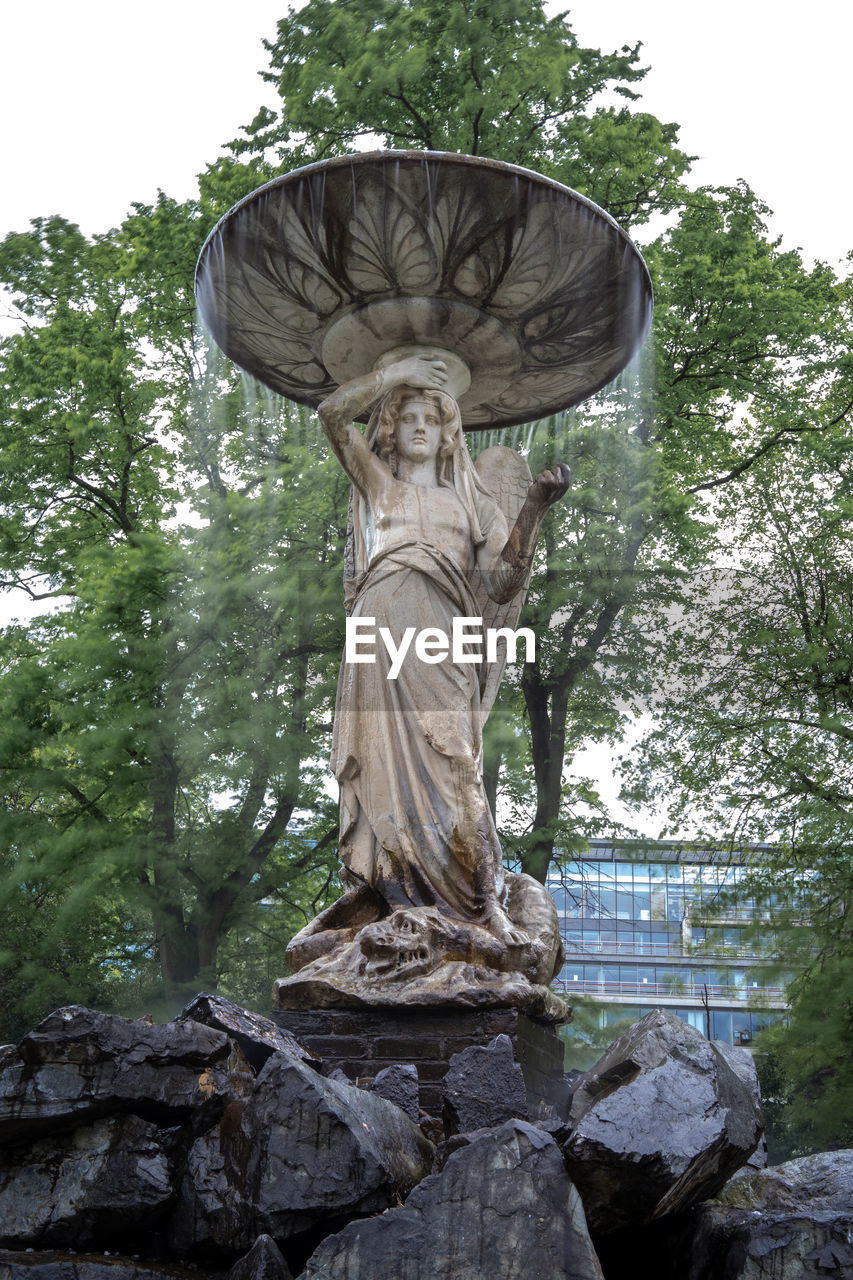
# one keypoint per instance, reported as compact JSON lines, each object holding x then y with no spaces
{"x":361,"y":1042}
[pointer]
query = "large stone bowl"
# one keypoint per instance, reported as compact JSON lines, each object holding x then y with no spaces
{"x":309,"y":280}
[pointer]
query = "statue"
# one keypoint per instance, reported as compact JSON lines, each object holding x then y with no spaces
{"x":427,"y":907}
{"x":433,"y":293}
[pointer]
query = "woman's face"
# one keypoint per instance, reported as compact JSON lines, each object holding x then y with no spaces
{"x":418,"y":435}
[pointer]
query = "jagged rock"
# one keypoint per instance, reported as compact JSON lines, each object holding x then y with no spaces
{"x":262,"y":1262}
{"x":742,"y":1063}
{"x":258,"y":1037}
{"x":742,"y":1244}
{"x":302,"y":1152}
{"x":78,"y":1065}
{"x":823,"y":1181}
{"x":98,"y":1186}
{"x":399,"y":1084}
{"x":337,"y":1074}
{"x":658,"y":1124}
{"x":17,"y":1265}
{"x":502,"y":1208}
{"x":484,"y":1086}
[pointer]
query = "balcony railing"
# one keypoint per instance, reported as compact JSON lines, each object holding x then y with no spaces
{"x":669,"y":991}
{"x":636,"y":947}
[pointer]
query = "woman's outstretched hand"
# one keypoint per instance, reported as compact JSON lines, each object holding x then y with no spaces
{"x":550,"y":486}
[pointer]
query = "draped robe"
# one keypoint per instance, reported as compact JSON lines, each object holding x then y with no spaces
{"x":407,"y":752}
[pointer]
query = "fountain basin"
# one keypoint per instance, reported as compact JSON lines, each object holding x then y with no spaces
{"x":314,"y":277}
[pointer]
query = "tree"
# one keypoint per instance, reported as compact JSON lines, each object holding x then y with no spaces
{"x":164,"y":757}
{"x":496,"y":78}
{"x":164,"y":725}
{"x":756,"y":698}
{"x":734,"y":315}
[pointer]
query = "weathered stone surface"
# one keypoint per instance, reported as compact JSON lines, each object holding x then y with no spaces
{"x":301,"y":1152}
{"x":98,"y":1186}
{"x":78,"y":1065}
{"x":363,"y":1042}
{"x":823,"y":1181}
{"x":262,"y":1262}
{"x":399,"y":1084}
{"x":258,"y":1037}
{"x":658,"y":1124}
{"x":720,"y":1242}
{"x":484,"y":1086}
{"x":19,"y":1265}
{"x":502,"y":1208}
{"x":742,"y":1064}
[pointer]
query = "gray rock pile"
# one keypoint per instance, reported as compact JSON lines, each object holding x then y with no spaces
{"x":661,"y":1122}
{"x":215,"y":1146}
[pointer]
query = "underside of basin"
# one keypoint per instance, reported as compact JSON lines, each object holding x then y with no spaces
{"x":314,"y":277}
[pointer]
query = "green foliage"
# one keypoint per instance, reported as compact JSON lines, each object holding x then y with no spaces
{"x":805,"y":1064}
{"x":496,"y":78}
{"x":756,"y":698}
{"x":166,"y":819}
{"x":165,"y":724}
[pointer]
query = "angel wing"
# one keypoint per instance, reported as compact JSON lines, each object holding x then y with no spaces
{"x":507,"y":477}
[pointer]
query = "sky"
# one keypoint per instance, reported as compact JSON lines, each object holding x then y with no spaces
{"x":102,"y":103}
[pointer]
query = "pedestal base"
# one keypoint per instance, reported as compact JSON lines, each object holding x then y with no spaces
{"x":361,"y":1042}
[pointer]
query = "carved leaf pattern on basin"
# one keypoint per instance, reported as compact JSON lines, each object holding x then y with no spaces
{"x":390,"y":251}
{"x":310,"y":248}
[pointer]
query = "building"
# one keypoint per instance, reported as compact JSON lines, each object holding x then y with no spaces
{"x":643,"y":929}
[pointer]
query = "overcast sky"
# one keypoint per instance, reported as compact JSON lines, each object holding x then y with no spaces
{"x":103,"y":101}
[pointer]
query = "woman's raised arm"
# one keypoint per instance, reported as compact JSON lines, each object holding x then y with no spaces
{"x":338,"y":411}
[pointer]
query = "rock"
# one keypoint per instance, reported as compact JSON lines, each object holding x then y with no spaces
{"x":484,"y":1086}
{"x":741,"y":1244}
{"x":449,"y":1146}
{"x":742,"y":1063}
{"x":258,"y":1037}
{"x":502,"y":1208}
{"x":262,"y":1262}
{"x":823,"y":1182}
{"x":301,"y":1153}
{"x":337,"y":1074}
{"x":658,"y":1124}
{"x":790,"y":1222}
{"x":101,"y":1185}
{"x":399,"y":1084}
{"x":15,"y":1265}
{"x":78,"y":1065}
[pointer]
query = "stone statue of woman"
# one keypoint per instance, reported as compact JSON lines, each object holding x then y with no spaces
{"x":427,"y":911}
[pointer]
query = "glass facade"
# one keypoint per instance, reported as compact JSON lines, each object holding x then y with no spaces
{"x":652,"y":927}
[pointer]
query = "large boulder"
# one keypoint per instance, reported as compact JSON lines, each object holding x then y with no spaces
{"x":823,"y":1181}
{"x":502,"y":1207}
{"x":484,"y":1086}
{"x":301,"y":1154}
{"x":101,"y":1186}
{"x":79,"y":1065}
{"x":661,"y":1122}
{"x":793,"y":1221}
{"x":257,"y":1036}
{"x":790,"y":1222}
{"x":742,"y":1064}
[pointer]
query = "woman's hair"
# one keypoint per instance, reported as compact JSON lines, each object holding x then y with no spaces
{"x":382,"y":430}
